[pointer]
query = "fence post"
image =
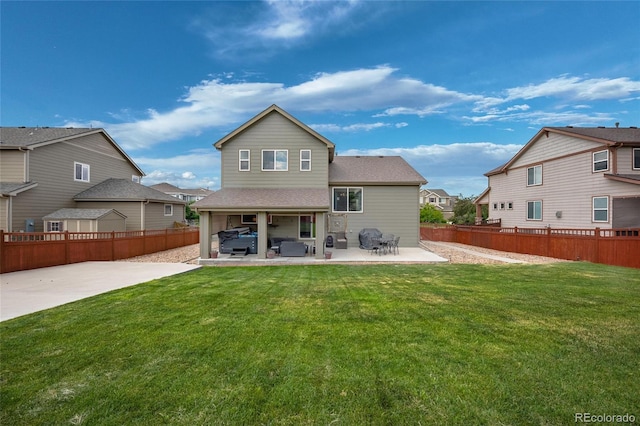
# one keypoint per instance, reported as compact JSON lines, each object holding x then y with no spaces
{"x":113,"y":245}
{"x":2,"y":258}
{"x":597,"y":243}
{"x":548,"y":241}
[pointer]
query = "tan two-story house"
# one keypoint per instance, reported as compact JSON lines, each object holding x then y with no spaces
{"x":569,"y":177}
{"x":283,"y":179}
{"x":49,"y":175}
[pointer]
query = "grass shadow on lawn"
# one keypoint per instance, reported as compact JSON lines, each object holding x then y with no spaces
{"x":378,"y":344}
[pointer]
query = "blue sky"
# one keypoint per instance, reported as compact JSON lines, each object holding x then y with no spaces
{"x":456,"y":88}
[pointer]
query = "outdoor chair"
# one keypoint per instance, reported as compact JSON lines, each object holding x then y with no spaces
{"x":376,"y":246}
{"x":393,"y":245}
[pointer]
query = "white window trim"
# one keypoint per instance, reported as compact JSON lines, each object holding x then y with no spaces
{"x":593,"y":209}
{"x":165,"y":209}
{"x":275,"y":169}
{"x":135,"y":178}
{"x":88,"y":167}
{"x":509,"y":205}
{"x":541,"y":215}
{"x":303,"y":161}
{"x":593,"y":157}
{"x":244,"y":160}
{"x":348,"y":188}
{"x":633,"y":157}
{"x":534,"y":175}
{"x":57,"y":222}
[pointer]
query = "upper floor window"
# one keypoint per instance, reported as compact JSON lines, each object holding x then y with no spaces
{"x":601,"y":209}
{"x":135,"y":179}
{"x":636,"y":158}
{"x":81,"y":172}
{"x":601,"y":161}
{"x":305,"y":160}
{"x":245,"y":163}
{"x":534,"y":210}
{"x":534,"y":175}
{"x":347,"y":200}
{"x":168,"y":209}
{"x":275,"y":160}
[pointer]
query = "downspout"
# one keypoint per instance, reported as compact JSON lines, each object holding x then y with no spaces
{"x":142,"y":215}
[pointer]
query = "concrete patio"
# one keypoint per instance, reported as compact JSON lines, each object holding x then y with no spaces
{"x":350,"y":255}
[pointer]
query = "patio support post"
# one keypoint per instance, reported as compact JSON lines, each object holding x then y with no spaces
{"x":320,"y":233}
{"x":205,"y":235}
{"x":262,"y":235}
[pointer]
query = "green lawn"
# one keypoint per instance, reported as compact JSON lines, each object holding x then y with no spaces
{"x":334,"y":344}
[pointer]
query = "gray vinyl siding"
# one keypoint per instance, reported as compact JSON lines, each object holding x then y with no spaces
{"x":568,"y":186}
{"x":625,"y":161}
{"x":155,"y":218}
{"x":391,"y":209}
{"x":52,"y":167}
{"x":4,"y":213}
{"x":12,"y":166}
{"x":131,"y":209}
{"x":274,"y":132}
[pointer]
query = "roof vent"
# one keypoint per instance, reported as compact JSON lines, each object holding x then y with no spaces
{"x":380,"y":156}
{"x":601,"y":127}
{"x":633,"y":127}
{"x":570,"y":127}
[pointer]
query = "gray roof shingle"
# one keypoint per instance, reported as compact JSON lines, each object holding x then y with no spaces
{"x":124,"y":190}
{"x":384,"y":170}
{"x":266,"y":199}
{"x":80,"y":214}
{"x":27,"y":136}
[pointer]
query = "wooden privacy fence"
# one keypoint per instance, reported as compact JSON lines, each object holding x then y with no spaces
{"x":619,"y":247}
{"x":30,"y":250}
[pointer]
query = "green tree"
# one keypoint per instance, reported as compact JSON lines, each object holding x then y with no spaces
{"x":190,"y":214}
{"x":431,"y":214}
{"x":464,"y":212}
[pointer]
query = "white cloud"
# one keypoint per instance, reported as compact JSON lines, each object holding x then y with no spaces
{"x":224,"y":102}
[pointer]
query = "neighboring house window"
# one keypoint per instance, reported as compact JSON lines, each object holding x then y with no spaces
{"x":54,"y":226}
{"x":601,"y":161}
{"x":534,"y":210}
{"x":275,"y":160}
{"x":601,"y":209}
{"x":245,"y":163}
{"x":534,"y":175}
{"x":305,"y":160}
{"x":636,"y":158}
{"x":347,"y":200}
{"x":81,"y":172}
{"x":135,"y":179}
{"x":307,"y":227}
{"x":168,"y":209}
{"x":495,"y":206}
{"x":510,"y":205}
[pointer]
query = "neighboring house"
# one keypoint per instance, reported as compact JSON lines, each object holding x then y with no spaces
{"x":188,"y":195}
{"x":42,"y":169}
{"x":283,"y":179}
{"x":569,"y":177}
{"x":144,"y":207}
{"x":439,"y":199}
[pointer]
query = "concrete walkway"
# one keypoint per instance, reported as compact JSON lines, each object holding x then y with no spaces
{"x":25,"y":292}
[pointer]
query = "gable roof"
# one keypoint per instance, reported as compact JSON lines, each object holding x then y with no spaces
{"x":89,"y":214}
{"x":35,"y":137}
{"x":276,"y":109}
{"x":385,"y":170}
{"x":124,"y":190}
{"x":607,"y":136}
